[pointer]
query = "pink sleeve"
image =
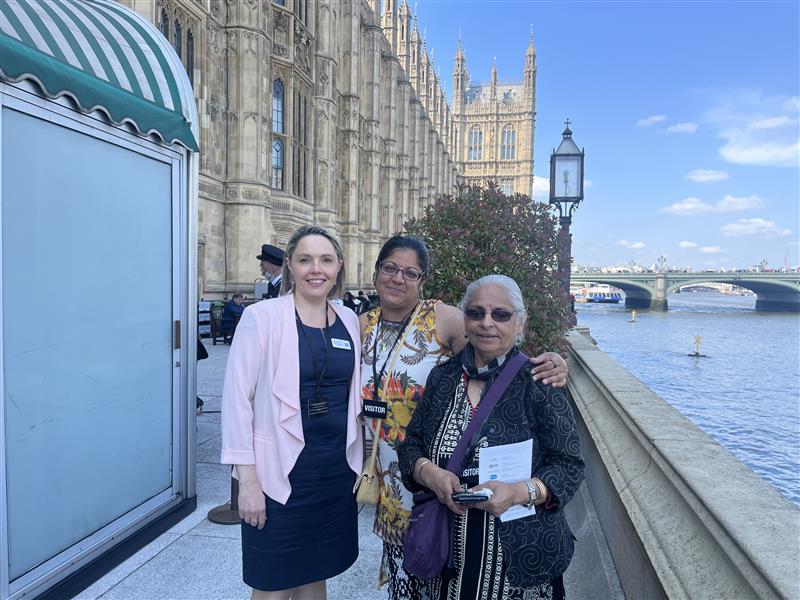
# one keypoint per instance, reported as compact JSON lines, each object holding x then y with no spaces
{"x":241,"y":377}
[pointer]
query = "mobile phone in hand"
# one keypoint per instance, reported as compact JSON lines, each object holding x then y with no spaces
{"x":469,"y":497}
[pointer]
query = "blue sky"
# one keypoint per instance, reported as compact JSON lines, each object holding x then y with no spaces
{"x":688,"y":112}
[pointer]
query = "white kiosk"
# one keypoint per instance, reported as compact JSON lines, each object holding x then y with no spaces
{"x":98,"y":204}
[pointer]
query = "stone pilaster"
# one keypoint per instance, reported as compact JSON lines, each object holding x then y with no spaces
{"x":247,"y":194}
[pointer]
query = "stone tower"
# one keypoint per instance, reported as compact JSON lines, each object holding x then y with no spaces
{"x":494,"y":126}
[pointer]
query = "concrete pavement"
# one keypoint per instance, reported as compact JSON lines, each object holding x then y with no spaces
{"x":197,"y":559}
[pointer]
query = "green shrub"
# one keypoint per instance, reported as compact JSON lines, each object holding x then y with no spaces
{"x":481,"y":232}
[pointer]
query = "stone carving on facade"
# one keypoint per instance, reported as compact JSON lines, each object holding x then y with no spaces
{"x":250,"y":43}
{"x":214,"y":9}
{"x":279,"y":50}
{"x":281,"y":22}
{"x":302,"y":48}
{"x":214,"y":43}
{"x":212,"y":107}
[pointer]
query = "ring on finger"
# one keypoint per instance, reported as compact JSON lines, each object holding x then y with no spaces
{"x":555,"y":366}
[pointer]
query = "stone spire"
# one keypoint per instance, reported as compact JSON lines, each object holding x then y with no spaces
{"x":530,"y":68}
{"x":404,"y":36}
{"x":460,"y":78}
{"x":389,"y":23}
{"x":493,"y":86}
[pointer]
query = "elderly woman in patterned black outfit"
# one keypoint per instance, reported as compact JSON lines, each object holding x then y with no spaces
{"x":522,"y":558}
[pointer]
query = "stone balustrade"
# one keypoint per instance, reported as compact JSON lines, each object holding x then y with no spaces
{"x":683,"y":518}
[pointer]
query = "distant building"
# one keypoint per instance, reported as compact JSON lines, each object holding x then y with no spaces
{"x":311,"y":111}
{"x":494,"y":126}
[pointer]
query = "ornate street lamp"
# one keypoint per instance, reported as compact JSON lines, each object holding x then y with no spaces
{"x":566,"y":192}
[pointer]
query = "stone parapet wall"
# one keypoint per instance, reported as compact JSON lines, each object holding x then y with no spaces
{"x":683,"y":518}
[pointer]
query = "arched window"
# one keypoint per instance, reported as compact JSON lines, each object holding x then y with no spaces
{"x":164,"y":24}
{"x":190,"y":56}
{"x":508,"y":148}
{"x":281,"y":2}
{"x":475,"y":141}
{"x":506,"y":188}
{"x":177,"y":33}
{"x":277,"y":106}
{"x":277,"y":164}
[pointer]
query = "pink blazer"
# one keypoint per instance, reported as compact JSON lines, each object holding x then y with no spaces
{"x":261,"y":420}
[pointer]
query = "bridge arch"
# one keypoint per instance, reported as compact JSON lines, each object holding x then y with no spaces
{"x":774,"y":291}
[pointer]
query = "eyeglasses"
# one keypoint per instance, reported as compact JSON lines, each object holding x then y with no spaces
{"x":499,"y":315}
{"x":409,"y":274}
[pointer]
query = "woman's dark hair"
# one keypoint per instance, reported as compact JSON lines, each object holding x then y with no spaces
{"x":396,"y":242}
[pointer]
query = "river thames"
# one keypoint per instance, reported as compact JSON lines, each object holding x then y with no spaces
{"x":745,"y":394}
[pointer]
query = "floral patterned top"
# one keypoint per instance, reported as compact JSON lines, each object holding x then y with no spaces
{"x":421,"y":351}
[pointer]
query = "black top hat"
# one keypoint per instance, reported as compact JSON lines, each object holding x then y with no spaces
{"x":271,"y":254}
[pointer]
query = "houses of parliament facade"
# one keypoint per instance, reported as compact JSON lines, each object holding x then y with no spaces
{"x":331,"y":112}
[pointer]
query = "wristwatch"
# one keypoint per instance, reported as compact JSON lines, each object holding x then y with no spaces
{"x":533,"y":493}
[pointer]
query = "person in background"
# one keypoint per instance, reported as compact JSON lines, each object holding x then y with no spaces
{"x":525,"y":557}
{"x":271,"y":258}
{"x":291,"y":427}
{"x":431,"y":337}
{"x":231,"y":313}
{"x":349,"y":301}
{"x":362,"y":303}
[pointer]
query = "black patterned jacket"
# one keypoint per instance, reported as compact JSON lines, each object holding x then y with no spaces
{"x":539,"y":547}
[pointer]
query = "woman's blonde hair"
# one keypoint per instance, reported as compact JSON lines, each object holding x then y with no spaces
{"x":287,"y":280}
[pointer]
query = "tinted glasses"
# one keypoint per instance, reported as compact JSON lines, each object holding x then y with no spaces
{"x":501,"y":315}
{"x":409,"y":273}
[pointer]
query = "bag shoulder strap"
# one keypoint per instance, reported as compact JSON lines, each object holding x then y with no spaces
{"x":493,"y":394}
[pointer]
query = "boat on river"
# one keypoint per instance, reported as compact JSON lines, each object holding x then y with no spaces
{"x":603,"y":294}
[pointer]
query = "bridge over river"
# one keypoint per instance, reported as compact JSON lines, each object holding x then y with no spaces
{"x":774,"y":291}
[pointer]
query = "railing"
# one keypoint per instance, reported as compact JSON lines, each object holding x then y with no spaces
{"x":682,"y":517}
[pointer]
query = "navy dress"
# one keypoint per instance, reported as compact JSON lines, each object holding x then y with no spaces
{"x":314,"y":536}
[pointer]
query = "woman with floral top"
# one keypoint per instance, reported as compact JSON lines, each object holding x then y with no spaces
{"x":401,"y":341}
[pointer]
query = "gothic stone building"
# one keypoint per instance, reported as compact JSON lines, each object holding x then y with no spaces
{"x":329,"y":112}
{"x":312,"y":111}
{"x":495,"y":127}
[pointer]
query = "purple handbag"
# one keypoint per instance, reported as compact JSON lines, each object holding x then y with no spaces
{"x":426,"y":544}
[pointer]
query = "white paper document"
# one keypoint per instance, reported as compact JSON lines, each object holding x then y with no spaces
{"x":509,"y":463}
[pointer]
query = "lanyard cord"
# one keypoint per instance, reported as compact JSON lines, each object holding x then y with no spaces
{"x":321,"y":375}
{"x":378,"y":377}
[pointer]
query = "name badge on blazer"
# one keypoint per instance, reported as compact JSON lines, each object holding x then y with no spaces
{"x":341,"y":344}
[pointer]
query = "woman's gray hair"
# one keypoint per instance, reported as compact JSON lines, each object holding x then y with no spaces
{"x":512,"y":291}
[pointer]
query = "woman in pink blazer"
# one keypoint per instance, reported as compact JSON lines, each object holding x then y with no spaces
{"x":290,"y":425}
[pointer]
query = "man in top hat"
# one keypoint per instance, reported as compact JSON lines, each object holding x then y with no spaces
{"x":271,"y":259}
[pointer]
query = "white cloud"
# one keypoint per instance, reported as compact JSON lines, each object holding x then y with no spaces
{"x":687,"y":245}
{"x":688,"y":206}
{"x":682,"y":128}
{"x":756,"y":226}
{"x":541,"y":189}
{"x":731,"y":203}
{"x":651,"y":120}
{"x":757,"y":129}
{"x":706,"y":175}
{"x":711,"y":249}
{"x":632,"y":245}
{"x":694,"y":206}
{"x":771,"y":122}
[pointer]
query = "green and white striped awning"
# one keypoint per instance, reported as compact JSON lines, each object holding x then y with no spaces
{"x":104,"y":56}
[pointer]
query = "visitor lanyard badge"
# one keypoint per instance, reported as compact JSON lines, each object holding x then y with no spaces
{"x":374,"y":409}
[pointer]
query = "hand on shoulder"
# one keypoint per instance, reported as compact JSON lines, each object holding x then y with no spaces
{"x":450,"y":326}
